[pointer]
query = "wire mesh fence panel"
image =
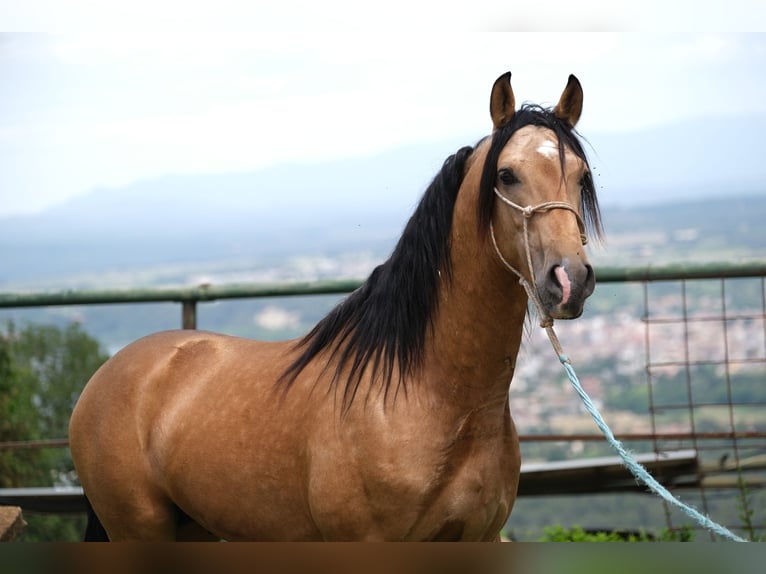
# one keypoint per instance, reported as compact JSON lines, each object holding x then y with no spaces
{"x":706,"y":371}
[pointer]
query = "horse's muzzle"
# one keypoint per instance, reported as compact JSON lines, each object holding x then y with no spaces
{"x":564,"y":288}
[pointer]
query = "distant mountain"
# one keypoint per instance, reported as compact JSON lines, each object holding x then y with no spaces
{"x":696,"y":159}
{"x":272,"y":213}
{"x":359,"y":204}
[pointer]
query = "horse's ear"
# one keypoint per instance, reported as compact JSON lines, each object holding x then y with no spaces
{"x":569,"y":107}
{"x":502,"y":104}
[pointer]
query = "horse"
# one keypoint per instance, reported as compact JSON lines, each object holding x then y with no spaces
{"x":390,"y":419}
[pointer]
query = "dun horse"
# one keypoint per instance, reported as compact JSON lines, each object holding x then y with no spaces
{"x":390,"y":419}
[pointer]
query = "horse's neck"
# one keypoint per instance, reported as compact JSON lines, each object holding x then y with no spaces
{"x":480,"y":319}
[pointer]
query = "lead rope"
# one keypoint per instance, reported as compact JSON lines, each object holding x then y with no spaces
{"x":546,"y":322}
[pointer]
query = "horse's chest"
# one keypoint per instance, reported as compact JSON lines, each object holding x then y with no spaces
{"x":473,"y":502}
{"x":419,"y":493}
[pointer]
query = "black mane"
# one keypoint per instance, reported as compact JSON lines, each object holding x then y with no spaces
{"x":385,"y":322}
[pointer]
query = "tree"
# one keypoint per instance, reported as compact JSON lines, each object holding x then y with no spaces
{"x":42,"y":372}
{"x":18,"y":421}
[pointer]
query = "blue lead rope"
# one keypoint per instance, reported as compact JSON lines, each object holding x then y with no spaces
{"x":546,"y":322}
{"x":635,"y":467}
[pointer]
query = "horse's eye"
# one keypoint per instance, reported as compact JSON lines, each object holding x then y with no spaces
{"x":507,"y":177}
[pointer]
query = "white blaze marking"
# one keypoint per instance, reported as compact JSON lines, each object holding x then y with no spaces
{"x":549,"y":149}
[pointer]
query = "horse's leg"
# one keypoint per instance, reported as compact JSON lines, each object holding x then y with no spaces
{"x":188,"y":530}
{"x":130,"y":513}
{"x":145,"y":517}
{"x":193,"y":532}
{"x":94,"y":531}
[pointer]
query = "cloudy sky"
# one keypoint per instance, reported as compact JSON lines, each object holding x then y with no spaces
{"x":83,"y":110}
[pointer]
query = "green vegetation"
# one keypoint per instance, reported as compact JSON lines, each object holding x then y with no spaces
{"x":706,"y":382}
{"x":578,"y":534}
{"x":42,"y":371}
{"x":745,"y":505}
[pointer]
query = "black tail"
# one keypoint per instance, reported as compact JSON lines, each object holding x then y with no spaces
{"x":94,"y":531}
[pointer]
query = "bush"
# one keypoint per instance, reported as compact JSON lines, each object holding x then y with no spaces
{"x":578,"y":534}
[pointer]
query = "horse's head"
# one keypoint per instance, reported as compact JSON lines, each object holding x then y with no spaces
{"x":536,"y":189}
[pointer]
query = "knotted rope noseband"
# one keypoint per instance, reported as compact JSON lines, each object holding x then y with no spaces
{"x":545,"y":320}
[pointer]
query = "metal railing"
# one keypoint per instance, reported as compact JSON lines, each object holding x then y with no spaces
{"x":190,"y":297}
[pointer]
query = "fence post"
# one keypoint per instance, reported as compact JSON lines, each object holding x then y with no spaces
{"x":189,"y":314}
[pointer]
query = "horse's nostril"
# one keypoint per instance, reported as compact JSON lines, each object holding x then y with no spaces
{"x":590,"y":279}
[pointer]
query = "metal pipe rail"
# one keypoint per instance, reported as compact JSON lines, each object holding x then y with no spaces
{"x":190,"y":296}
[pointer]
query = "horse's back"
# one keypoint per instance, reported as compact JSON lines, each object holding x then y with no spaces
{"x":148,"y":375}
{"x":158,"y":367}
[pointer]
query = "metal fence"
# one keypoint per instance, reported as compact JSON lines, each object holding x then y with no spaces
{"x":678,"y":363}
{"x":678,"y":352}
{"x":705,"y":346}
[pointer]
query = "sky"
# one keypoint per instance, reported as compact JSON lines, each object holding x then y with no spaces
{"x":81,"y":110}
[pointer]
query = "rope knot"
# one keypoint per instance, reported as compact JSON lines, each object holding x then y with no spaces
{"x":546,"y":322}
{"x":528,"y":211}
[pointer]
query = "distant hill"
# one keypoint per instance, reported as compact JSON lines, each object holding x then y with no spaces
{"x":685,"y":231}
{"x":232,"y":246}
{"x":662,"y":181}
{"x":695,"y":159}
{"x":265,"y":215}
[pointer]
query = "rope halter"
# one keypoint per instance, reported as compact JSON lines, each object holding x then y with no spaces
{"x":546,"y":321}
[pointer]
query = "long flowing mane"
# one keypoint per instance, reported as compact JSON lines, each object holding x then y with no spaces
{"x":385,"y":322}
